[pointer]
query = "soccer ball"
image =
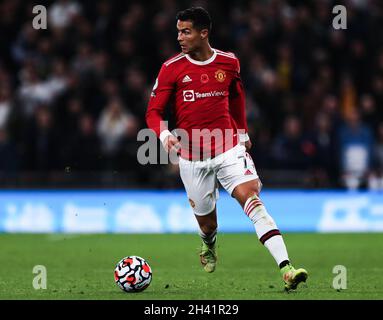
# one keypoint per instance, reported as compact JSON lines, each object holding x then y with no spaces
{"x":132,"y":274}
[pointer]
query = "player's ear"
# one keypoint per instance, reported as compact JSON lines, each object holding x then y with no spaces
{"x":204,"y":34}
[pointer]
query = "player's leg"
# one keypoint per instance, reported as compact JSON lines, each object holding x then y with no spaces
{"x":208,"y":234}
{"x":208,"y":227}
{"x":201,"y":187}
{"x":247,"y":194}
{"x":240,"y":179}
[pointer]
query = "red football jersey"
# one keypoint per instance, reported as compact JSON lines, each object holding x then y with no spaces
{"x":205,"y":95}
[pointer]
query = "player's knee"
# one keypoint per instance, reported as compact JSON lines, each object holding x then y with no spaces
{"x":253,"y":189}
{"x":257,"y":187}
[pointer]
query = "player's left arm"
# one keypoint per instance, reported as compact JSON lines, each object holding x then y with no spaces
{"x":237,"y":106}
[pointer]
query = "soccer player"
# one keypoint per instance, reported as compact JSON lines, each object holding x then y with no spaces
{"x":203,"y":85}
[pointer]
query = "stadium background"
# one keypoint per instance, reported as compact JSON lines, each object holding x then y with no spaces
{"x":73,"y":98}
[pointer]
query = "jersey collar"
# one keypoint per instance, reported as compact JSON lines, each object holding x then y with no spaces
{"x":202,"y":63}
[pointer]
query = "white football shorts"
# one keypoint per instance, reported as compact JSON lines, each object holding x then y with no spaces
{"x":200,"y":178}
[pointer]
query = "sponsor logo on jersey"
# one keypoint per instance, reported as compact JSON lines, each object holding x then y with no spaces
{"x":210,"y":94}
{"x":220,"y":75}
{"x":204,"y":78}
{"x":186,"y":79}
{"x":188,"y":95}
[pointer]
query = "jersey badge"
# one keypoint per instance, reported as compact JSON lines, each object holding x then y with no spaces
{"x":220,"y":75}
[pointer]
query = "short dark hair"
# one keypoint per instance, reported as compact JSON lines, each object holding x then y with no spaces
{"x":198,"y":16}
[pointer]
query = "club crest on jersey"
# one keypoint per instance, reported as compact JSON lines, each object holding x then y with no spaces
{"x":188,"y":95}
{"x":204,"y":78}
{"x":220,"y":75}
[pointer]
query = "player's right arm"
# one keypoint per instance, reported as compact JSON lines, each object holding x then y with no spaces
{"x":237,"y":106}
{"x":159,"y":99}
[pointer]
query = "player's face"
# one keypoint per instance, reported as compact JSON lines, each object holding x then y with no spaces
{"x":189,"y":38}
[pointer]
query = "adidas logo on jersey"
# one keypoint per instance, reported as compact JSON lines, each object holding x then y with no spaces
{"x":186,"y":79}
{"x":248,"y":172}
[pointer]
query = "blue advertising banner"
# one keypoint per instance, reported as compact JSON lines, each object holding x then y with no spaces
{"x":169,"y":211}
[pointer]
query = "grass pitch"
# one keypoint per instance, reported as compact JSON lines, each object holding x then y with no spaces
{"x":81,"y":266}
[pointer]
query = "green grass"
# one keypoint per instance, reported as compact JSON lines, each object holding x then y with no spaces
{"x":81,"y":266}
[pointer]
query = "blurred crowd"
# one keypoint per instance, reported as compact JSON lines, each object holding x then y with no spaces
{"x":74,"y":96}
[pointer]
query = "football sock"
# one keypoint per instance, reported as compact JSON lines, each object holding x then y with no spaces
{"x":208,"y":239}
{"x":284,"y":264}
{"x":266,"y":229}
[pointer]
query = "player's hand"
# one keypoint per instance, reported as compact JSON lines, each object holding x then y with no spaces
{"x":172,"y":144}
{"x":244,"y":140}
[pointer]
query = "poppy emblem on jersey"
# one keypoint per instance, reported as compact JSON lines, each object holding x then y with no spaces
{"x":220,"y":75}
{"x":192,"y":203}
{"x":204,"y":78}
{"x":188,"y":95}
